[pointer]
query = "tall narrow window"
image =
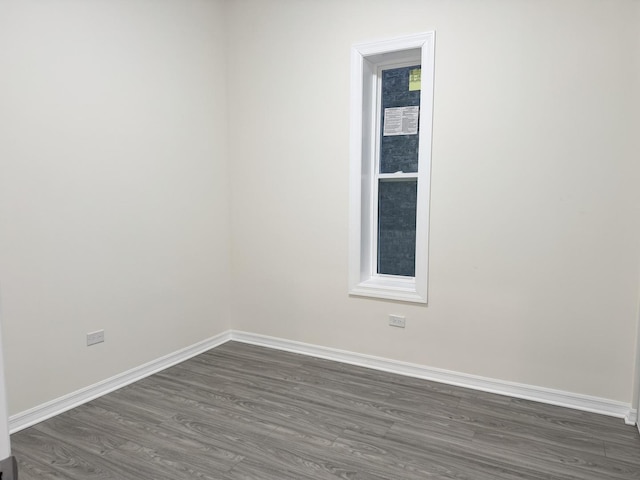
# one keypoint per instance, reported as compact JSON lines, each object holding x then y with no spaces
{"x":391,"y":117}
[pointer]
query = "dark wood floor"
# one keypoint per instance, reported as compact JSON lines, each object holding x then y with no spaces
{"x":245,"y":412}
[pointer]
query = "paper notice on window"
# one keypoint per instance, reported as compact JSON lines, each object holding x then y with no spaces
{"x":400,"y":121}
{"x":415,"y":79}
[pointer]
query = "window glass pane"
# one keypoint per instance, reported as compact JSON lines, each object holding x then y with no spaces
{"x":398,"y":152}
{"x":397,"y":200}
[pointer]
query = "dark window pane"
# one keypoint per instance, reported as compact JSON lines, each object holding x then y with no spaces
{"x":398,"y":152}
{"x":397,"y":200}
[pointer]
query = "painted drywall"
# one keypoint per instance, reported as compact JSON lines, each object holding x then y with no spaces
{"x":116,"y":177}
{"x":5,"y":443}
{"x":636,"y":101}
{"x":535,"y":237}
{"x":113,"y":187}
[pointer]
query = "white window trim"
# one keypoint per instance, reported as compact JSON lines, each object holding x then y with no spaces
{"x":365,"y":60}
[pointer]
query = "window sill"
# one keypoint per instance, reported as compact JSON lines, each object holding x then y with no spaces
{"x":389,"y":288}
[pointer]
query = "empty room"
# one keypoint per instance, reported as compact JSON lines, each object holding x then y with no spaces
{"x":319,"y":239}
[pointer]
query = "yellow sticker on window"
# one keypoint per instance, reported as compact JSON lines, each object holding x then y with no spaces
{"x":414,"y":79}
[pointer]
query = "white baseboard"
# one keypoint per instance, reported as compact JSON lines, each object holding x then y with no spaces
{"x":59,"y":405}
{"x":561,"y":398}
{"x":529,"y":392}
{"x":631,"y":418}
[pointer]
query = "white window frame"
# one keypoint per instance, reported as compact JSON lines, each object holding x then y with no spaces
{"x":366,"y":61}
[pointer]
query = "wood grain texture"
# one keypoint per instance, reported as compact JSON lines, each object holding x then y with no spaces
{"x":241,"y":412}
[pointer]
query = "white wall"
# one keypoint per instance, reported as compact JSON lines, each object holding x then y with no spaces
{"x":636,"y":101}
{"x":113,"y":187}
{"x":114,"y":175}
{"x":5,"y":442}
{"x":534,"y":210}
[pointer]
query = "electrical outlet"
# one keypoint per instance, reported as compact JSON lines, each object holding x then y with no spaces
{"x":95,"y":337}
{"x":397,"y":321}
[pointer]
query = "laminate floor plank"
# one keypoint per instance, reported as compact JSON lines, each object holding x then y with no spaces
{"x":557,"y":419}
{"x":456,"y":457}
{"x":85,"y":435}
{"x":509,"y":419}
{"x":626,"y":452}
{"x":554,"y":458}
{"x":355,"y":400}
{"x":284,"y":456}
{"x":253,"y":405}
{"x":319,"y":372}
{"x":163,"y":437}
{"x":252,"y":470}
{"x":500,"y":423}
{"x":60,"y":458}
{"x":243,"y":412}
{"x":30,"y":469}
{"x":282,"y":407}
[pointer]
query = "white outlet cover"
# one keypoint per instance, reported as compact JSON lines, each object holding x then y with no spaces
{"x":95,"y":337}
{"x":397,"y":321}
